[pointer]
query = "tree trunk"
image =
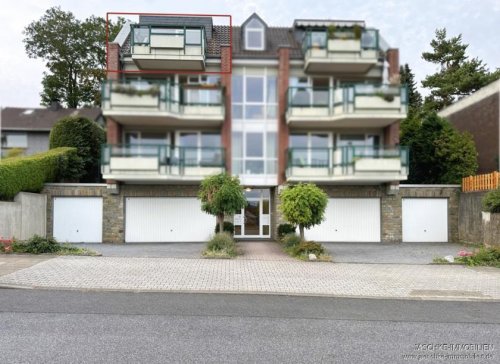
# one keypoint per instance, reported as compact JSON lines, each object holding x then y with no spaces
{"x":220,"y":220}
{"x":301,"y":229}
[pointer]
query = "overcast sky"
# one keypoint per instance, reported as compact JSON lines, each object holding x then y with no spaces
{"x":406,"y":24}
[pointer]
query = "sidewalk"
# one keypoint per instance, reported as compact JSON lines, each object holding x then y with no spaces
{"x":281,"y":276}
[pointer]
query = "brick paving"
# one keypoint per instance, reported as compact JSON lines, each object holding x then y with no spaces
{"x":260,"y":276}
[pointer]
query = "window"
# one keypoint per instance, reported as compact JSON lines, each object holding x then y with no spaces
{"x":193,"y":36}
{"x":254,"y":35}
{"x":311,"y":149}
{"x":19,"y":140}
{"x":254,"y":147}
{"x":200,"y":148}
{"x":255,"y":89}
{"x":142,"y":138}
{"x":141,"y":35}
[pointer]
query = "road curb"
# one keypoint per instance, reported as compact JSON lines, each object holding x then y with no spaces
{"x":269,"y":293}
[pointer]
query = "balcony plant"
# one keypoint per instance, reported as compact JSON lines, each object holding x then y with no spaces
{"x":357,"y":31}
{"x":130,"y":90}
{"x":331,"y":31}
{"x":385,"y":95}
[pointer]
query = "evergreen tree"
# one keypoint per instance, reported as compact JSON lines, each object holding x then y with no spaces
{"x":458,"y":76}
{"x":407,"y":78}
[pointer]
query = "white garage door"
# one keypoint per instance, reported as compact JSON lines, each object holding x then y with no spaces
{"x":159,"y":220}
{"x":425,"y":220}
{"x":349,"y":220}
{"x":78,"y":219}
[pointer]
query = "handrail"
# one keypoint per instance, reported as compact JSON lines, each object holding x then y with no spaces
{"x":311,"y":96}
{"x":167,"y":154}
{"x":165,"y":92}
{"x":348,"y":154}
{"x":308,"y":44}
{"x":150,"y":27}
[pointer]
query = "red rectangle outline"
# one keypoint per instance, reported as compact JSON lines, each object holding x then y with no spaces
{"x":172,"y":71}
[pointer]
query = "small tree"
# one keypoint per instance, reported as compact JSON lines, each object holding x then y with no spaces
{"x":86,"y":136}
{"x":303,"y":205}
{"x":221,"y":194}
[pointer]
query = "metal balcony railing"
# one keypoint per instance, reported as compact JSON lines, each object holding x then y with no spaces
{"x":347,"y":160}
{"x":161,"y":159}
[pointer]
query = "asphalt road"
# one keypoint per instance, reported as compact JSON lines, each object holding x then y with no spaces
{"x":90,"y":327}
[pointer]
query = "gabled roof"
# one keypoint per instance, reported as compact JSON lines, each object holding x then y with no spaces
{"x":254,"y":16}
{"x":41,"y":119}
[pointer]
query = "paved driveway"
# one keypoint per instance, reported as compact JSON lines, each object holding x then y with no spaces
{"x":404,"y":253}
{"x":165,"y":250}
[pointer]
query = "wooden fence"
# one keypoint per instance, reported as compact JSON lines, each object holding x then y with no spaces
{"x":481,"y":182}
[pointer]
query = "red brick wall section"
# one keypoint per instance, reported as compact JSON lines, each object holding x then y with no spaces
{"x":113,"y":60}
{"x":226,"y":84}
{"x":391,"y":134}
{"x":283,"y":78}
{"x":482,"y":119}
{"x":113,"y":131}
{"x":392,"y":57}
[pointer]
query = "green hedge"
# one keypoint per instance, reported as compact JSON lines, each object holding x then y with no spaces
{"x":29,"y":173}
{"x":491,"y":201}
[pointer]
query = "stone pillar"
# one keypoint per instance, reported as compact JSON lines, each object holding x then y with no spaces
{"x":226,"y":67}
{"x":283,"y":79}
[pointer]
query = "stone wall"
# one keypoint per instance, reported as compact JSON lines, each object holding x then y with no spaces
{"x":491,"y":229}
{"x":391,"y":205}
{"x":476,"y":226}
{"x":470,"y":226}
{"x":113,"y":204}
{"x":23,"y":217}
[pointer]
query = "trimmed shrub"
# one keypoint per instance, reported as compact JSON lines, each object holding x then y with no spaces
{"x":308,"y":247}
{"x":228,"y":227}
{"x":87,"y":137}
{"x":30,"y":173}
{"x":284,"y":229}
{"x":222,"y":243}
{"x":491,"y":201}
{"x":291,"y":240}
{"x":37,"y":245}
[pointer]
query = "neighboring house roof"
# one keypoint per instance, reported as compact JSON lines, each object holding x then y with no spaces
{"x":486,"y":91}
{"x":41,"y":119}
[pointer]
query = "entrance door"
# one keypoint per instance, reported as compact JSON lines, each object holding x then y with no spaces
{"x":254,"y":220}
{"x":251,"y":218}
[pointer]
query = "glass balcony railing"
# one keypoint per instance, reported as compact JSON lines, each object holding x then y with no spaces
{"x":363,"y":161}
{"x":185,"y":99}
{"x":160,"y":160}
{"x":365,"y":39}
{"x":168,"y":40}
{"x":349,"y":99}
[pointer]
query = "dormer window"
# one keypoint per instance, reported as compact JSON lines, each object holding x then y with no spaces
{"x":254,"y":35}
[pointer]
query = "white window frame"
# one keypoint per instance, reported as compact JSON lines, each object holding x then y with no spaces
{"x":260,"y":30}
{"x":309,"y":142}
{"x":198,"y":140}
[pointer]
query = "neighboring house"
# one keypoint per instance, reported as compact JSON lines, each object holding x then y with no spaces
{"x":479,"y":114}
{"x":306,"y":103}
{"x":29,"y":128}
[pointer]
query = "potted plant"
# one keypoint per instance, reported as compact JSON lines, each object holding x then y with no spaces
{"x":357,"y":31}
{"x":331,"y":31}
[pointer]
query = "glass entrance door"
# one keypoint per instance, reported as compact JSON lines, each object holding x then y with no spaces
{"x":254,"y":220}
{"x":251,"y":218}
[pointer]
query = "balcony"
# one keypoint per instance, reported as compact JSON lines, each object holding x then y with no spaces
{"x":346,"y":51}
{"x":163,"y":104}
{"x":351,"y":164}
{"x":160,"y":163}
{"x":348,"y":106}
{"x":162,"y":47}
